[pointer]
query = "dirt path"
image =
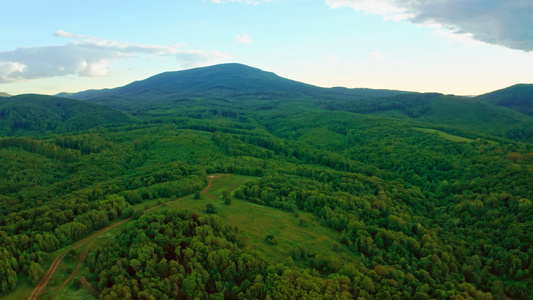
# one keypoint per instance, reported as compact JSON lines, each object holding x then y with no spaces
{"x":92,"y":238}
{"x":42,"y":284}
{"x":82,"y":258}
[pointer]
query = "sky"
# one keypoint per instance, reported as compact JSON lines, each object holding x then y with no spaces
{"x":462,"y":47}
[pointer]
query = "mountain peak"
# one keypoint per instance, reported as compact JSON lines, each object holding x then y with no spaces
{"x":224,"y":81}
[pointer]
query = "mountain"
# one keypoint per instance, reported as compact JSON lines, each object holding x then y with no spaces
{"x":517,"y":97}
{"x":38,"y":114}
{"x":224,"y":81}
{"x":236,"y":89}
{"x":2,"y":94}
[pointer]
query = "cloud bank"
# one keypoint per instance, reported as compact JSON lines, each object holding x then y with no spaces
{"x":90,"y":57}
{"x":506,"y":23}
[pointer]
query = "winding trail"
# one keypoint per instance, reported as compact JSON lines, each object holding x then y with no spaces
{"x":91,"y":239}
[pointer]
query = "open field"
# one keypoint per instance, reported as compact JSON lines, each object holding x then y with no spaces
{"x":444,"y":135}
{"x":256,"y":222}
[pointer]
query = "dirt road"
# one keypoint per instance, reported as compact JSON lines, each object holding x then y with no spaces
{"x":55,"y":264}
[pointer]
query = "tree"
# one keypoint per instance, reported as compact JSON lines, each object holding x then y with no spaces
{"x":197,"y":195}
{"x":226,"y":196}
{"x":36,"y":272}
{"x":210,"y":208}
{"x":227,"y":201}
{"x":76,"y":282}
{"x":271,"y":239}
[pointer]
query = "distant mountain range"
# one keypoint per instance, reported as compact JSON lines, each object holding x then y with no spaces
{"x":236,"y":89}
{"x":234,"y":81}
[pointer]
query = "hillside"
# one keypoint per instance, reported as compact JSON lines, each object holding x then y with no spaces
{"x":237,"y":90}
{"x":2,"y":94}
{"x":225,"y":81}
{"x":453,"y":113}
{"x":38,"y":114}
{"x":517,"y":97}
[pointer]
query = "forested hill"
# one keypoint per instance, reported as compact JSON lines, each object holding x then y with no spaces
{"x":39,"y":114}
{"x":225,"y":81}
{"x":2,"y":94}
{"x":375,"y":196}
{"x":237,"y":90}
{"x":517,"y":97}
{"x":447,"y":112}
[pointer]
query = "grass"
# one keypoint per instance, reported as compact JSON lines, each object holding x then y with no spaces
{"x":444,"y":135}
{"x":22,"y":292}
{"x":73,"y":294}
{"x":256,"y":222}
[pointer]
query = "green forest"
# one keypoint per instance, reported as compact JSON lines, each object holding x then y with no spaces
{"x":379,"y":194}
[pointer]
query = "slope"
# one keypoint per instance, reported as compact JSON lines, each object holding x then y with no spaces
{"x":454,"y":114}
{"x":518,"y":97}
{"x":38,"y":114}
{"x":225,"y":81}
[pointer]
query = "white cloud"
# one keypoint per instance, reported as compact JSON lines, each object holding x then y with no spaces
{"x":376,"y":56}
{"x":90,"y":57}
{"x":506,"y":23}
{"x":332,"y":58}
{"x":9,"y":68}
{"x":244,"y":38}
{"x":61,"y":33}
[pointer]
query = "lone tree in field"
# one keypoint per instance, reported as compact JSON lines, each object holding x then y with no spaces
{"x":226,"y":196}
{"x":271,"y":239}
{"x":197,"y":195}
{"x":210,"y":208}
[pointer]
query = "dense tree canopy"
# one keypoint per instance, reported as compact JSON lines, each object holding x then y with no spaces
{"x":431,"y":210}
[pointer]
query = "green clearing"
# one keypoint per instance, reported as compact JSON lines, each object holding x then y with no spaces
{"x":257,"y":221}
{"x":444,"y":135}
{"x":254,"y":221}
{"x":70,"y":293}
{"x":22,"y":292}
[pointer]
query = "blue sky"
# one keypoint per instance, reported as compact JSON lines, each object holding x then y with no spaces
{"x":464,"y":47}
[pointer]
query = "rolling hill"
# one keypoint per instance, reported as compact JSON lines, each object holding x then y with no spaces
{"x":518,"y":97}
{"x":447,"y":112}
{"x":38,"y":114}
{"x":2,"y":94}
